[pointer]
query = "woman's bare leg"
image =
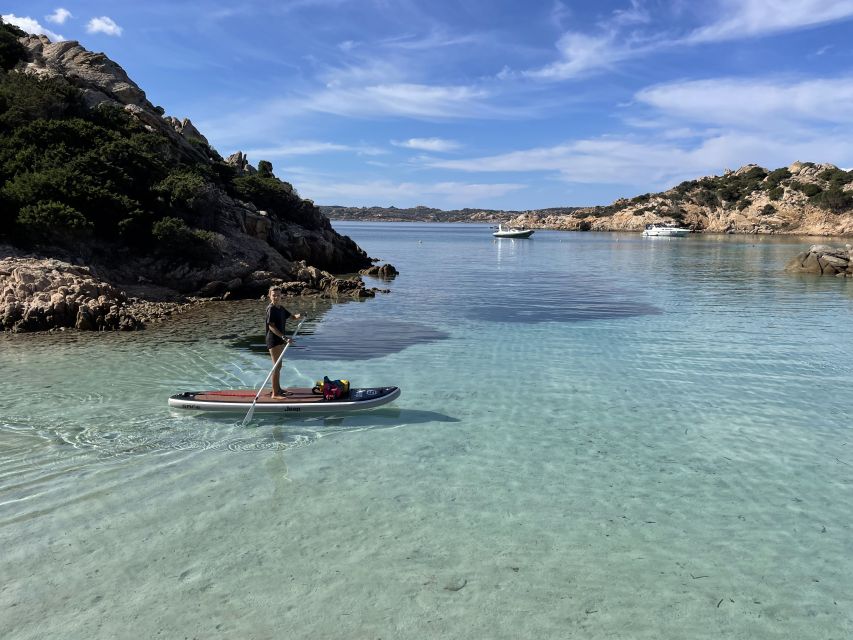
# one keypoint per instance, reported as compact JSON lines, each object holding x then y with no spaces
{"x":275,"y":352}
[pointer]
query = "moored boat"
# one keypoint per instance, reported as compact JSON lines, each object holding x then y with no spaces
{"x":666,"y":230}
{"x":509,"y":232}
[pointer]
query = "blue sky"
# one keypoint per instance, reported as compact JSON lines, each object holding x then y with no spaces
{"x":499,"y":104}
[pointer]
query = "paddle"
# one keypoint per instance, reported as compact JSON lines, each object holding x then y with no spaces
{"x":251,"y":411}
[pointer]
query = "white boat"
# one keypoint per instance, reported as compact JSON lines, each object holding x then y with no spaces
{"x":665,"y":229}
{"x":509,"y":232}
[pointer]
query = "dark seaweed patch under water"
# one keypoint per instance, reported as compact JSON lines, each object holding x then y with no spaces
{"x":352,"y":340}
{"x":547,"y":297}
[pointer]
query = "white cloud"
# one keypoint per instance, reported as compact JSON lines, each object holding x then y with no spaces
{"x":103,"y":25}
{"x":312,"y":147}
{"x":637,"y":14}
{"x":619,"y":37}
{"x":559,"y":14}
{"x":403,"y":193}
{"x":30,"y":26}
{"x":427,"y":144}
{"x":581,"y":53}
{"x":433,"y":40}
{"x":755,"y":102}
{"x":649,"y":163}
{"x":401,"y":99}
{"x":753,"y":18}
{"x":59,"y":16}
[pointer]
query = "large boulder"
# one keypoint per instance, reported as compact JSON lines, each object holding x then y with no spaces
{"x":822,"y":259}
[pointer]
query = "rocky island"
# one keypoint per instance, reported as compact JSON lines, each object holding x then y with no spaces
{"x":113,"y":213}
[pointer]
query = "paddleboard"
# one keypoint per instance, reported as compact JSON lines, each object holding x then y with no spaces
{"x":298,"y":400}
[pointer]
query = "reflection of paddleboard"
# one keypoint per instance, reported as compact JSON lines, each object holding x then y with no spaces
{"x":299,"y":400}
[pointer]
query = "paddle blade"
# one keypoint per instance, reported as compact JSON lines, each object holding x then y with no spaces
{"x":249,"y":415}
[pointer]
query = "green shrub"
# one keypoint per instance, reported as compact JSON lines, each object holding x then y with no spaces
{"x":768,"y":210}
{"x":271,"y":194}
{"x":808,"y":188}
{"x":25,"y":97}
{"x":776,"y":193}
{"x":755,"y":174}
{"x":743,"y":204}
{"x":50,"y":222}
{"x":682,"y":188}
{"x":11,"y":51}
{"x":833,"y":199}
{"x":174,"y":239}
{"x":707,"y":198}
{"x":775,"y":177}
{"x":182,"y":188}
{"x":265,"y":169}
{"x":836,"y":177}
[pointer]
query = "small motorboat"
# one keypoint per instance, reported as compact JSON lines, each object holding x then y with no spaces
{"x":666,"y":230}
{"x":298,"y":400}
{"x":509,"y":232}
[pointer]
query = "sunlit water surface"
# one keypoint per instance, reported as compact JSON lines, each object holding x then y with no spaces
{"x":600,"y":436}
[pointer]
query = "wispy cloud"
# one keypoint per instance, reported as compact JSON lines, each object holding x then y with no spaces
{"x":59,"y":16}
{"x":431,"y":41}
{"x":649,"y":163}
{"x":402,"y":99}
{"x":312,"y":147}
{"x":31,"y":25}
{"x":581,"y":53}
{"x":752,"y":18}
{"x":697,"y":128}
{"x":616,"y":39}
{"x":105,"y":25}
{"x":404,"y":193}
{"x":636,"y":14}
{"x":559,"y":14}
{"x":630,"y":33}
{"x":755,"y":103}
{"x":427,"y":144}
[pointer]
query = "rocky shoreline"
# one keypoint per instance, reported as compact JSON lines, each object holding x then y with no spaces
{"x":43,"y":294}
{"x":805,"y":198}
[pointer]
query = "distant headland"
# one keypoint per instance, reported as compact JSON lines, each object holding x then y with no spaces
{"x":802,"y":199}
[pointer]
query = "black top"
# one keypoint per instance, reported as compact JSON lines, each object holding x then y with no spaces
{"x":276,"y":316}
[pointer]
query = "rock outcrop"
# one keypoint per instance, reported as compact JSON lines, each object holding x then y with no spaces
{"x":821,"y":259}
{"x":100,"y":81}
{"x":384,"y":272}
{"x":43,"y":294}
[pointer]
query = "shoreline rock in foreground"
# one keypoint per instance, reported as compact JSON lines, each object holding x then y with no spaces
{"x":821,"y":259}
{"x":40,"y":294}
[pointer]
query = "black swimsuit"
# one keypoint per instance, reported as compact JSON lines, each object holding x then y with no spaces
{"x":276,"y":316}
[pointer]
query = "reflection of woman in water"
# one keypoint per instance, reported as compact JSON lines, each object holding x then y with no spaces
{"x":276,"y":318}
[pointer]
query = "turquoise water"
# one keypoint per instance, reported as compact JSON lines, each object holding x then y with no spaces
{"x":600,"y":436}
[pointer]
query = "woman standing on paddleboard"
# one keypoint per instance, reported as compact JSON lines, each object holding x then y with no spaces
{"x":276,"y":318}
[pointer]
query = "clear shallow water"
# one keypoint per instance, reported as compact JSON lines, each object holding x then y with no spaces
{"x":600,"y":436}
